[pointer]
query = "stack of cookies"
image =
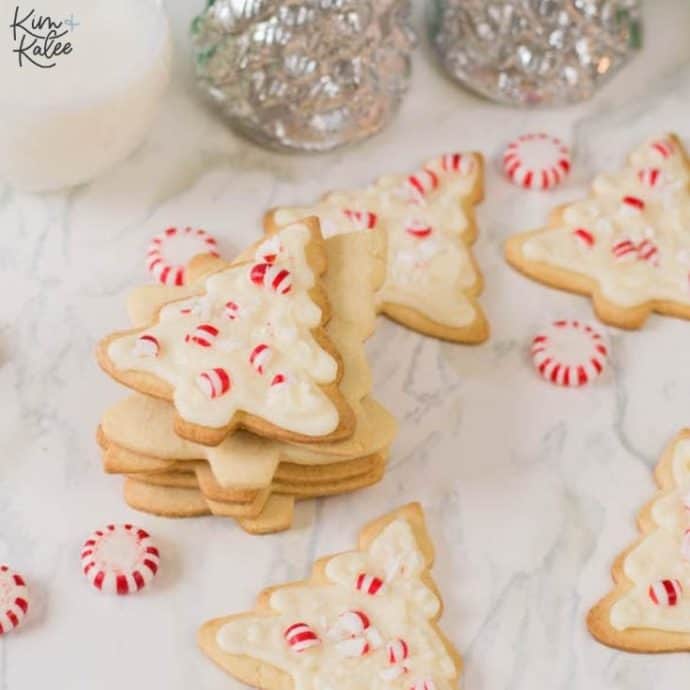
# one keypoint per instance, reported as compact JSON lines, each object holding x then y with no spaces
{"x":251,"y":384}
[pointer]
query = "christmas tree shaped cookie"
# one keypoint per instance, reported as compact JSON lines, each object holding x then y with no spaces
{"x":365,"y":619}
{"x":248,"y":350}
{"x":432,"y":278}
{"x":649,"y":608}
{"x":627,"y":245}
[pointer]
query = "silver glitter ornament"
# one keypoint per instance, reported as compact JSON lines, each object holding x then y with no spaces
{"x":535,"y":52}
{"x":304,"y":74}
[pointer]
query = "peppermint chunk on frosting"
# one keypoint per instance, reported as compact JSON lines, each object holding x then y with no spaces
{"x":366,"y":620}
{"x":246,"y":343}
{"x":631,"y":236}
{"x":426,"y":218}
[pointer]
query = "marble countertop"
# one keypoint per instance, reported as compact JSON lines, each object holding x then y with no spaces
{"x":530,"y":491}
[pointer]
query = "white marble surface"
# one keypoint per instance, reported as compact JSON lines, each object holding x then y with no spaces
{"x":530,"y":491}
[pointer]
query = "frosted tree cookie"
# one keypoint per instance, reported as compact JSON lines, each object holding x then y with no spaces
{"x":248,"y":350}
{"x":364,"y":619}
{"x":248,"y":477}
{"x":648,"y":609}
{"x":432,"y":279}
{"x":626,"y":245}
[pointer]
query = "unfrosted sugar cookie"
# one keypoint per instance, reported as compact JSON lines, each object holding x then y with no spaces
{"x":626,"y":245}
{"x":365,"y":619}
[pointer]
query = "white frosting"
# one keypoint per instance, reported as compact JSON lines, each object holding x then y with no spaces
{"x":659,"y":557}
{"x":402,"y":609}
{"x":665,"y":222}
{"x":428,"y":274}
{"x":282,"y":321}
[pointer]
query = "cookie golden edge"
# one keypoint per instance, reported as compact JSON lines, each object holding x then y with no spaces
{"x":627,"y":318}
{"x":276,"y":516}
{"x":639,"y":640}
{"x":262,"y":675}
{"x":150,"y":384}
{"x":475,"y":332}
{"x":119,"y":460}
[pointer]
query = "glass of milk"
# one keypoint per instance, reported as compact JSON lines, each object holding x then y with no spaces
{"x":80,"y":82}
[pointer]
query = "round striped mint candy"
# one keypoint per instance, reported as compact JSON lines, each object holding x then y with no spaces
{"x":300,"y":637}
{"x":665,"y":592}
{"x":361,"y":220}
{"x":204,"y":335}
{"x":351,"y":623}
{"x":397,"y":651}
{"x":14,"y":599}
{"x":537,"y":161}
{"x":569,"y":353}
{"x":120,"y":559}
{"x":368,"y":584}
{"x":214,"y":382}
{"x":170,"y":251}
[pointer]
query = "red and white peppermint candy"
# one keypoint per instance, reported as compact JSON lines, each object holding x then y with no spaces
{"x":301,"y":637}
{"x":361,"y":220}
{"x":214,"y":382}
{"x":585,"y":237}
{"x":422,"y":182}
{"x":369,"y":584}
{"x":147,"y":345}
{"x":353,"y":647}
{"x":418,"y":229}
{"x":457,"y":162}
{"x":273,"y":277}
{"x":204,"y":335}
{"x":231,"y":310}
{"x":569,"y":353}
{"x":536,"y":161}
{"x":279,"y":380}
{"x":268,"y":250}
{"x":425,"y":684}
{"x":665,"y":592}
{"x":664,"y":147}
{"x":397,"y":651}
{"x":350,"y":623}
{"x":120,"y":559}
{"x":260,"y":356}
{"x":648,"y":251}
{"x":170,"y":251}
{"x":632,"y":204}
{"x":650,"y":177}
{"x":624,"y":249}
{"x":14,"y":599}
